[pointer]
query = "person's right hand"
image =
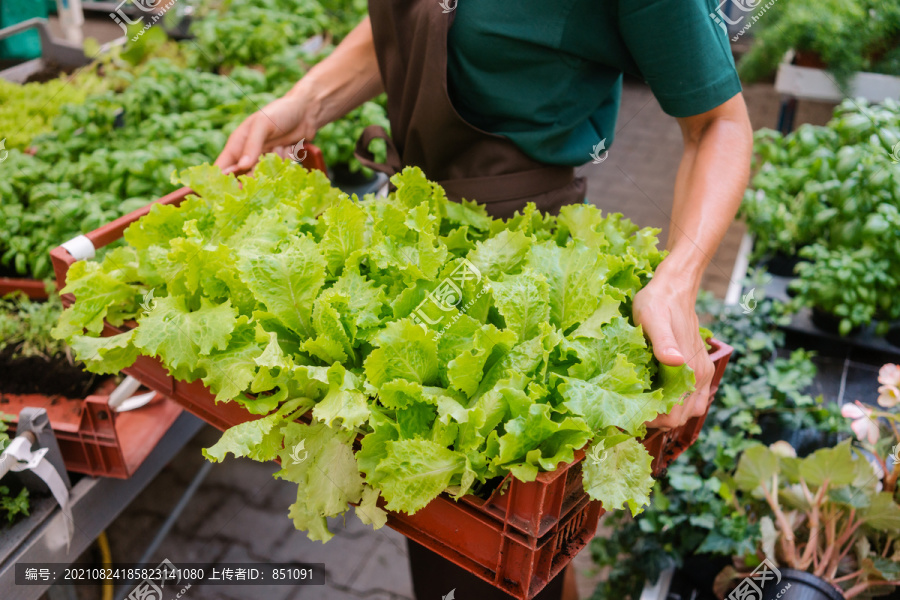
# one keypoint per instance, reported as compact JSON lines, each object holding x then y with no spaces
{"x":274,"y":128}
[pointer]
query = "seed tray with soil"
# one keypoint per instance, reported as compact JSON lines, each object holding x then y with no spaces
{"x":55,"y":376}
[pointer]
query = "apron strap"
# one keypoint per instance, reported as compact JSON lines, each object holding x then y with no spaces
{"x":511,"y":186}
{"x":366,"y":158}
{"x":485,"y":189}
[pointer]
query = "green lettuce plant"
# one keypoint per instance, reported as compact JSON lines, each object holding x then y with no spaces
{"x":12,"y":506}
{"x":452,"y":347}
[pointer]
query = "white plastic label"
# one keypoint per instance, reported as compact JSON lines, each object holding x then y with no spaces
{"x":35,"y":462}
{"x":81,"y":248}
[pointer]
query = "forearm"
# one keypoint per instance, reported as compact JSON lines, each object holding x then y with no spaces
{"x":344,"y":80}
{"x":708,"y":190}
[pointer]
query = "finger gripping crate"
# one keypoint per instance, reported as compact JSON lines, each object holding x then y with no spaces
{"x":518,"y":539}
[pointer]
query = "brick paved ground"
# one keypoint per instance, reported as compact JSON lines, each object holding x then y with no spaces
{"x":240,"y":512}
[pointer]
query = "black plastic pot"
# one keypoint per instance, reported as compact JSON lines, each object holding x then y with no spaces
{"x":782,"y":264}
{"x":696,"y":576}
{"x":804,"y":441}
{"x":342,"y":175}
{"x":803,"y":586}
{"x":830,"y":323}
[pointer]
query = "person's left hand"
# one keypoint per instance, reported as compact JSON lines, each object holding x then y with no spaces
{"x":665,"y":310}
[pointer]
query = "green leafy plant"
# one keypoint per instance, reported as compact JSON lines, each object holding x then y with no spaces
{"x":847,"y":35}
{"x":853,"y":285}
{"x":115,"y":152}
{"x":456,"y":347}
{"x":11,"y":505}
{"x":337,"y":140}
{"x":25,"y":326}
{"x":832,"y":196}
{"x":693,"y":510}
{"x":824,"y":514}
{"x":344,"y":15}
{"x":246,"y":32}
{"x":28,"y":110}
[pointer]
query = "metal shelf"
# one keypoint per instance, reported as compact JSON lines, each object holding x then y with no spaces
{"x":95,"y":502}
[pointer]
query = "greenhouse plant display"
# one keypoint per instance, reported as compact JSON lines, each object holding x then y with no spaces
{"x":116,"y":151}
{"x":248,"y":32}
{"x":828,"y":198}
{"x":28,"y":110}
{"x":843,"y":36}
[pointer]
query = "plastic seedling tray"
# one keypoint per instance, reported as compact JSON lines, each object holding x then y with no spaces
{"x":864,"y":339}
{"x":33,"y":288}
{"x":94,"y":439}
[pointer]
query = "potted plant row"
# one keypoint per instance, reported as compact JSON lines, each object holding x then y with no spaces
{"x":845,"y":38}
{"x":823,"y":206}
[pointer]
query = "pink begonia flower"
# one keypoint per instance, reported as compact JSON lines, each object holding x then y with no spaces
{"x":889,"y":374}
{"x":863,"y":425}
{"x":888,"y":396}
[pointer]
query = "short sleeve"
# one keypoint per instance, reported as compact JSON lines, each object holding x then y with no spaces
{"x":682,"y":54}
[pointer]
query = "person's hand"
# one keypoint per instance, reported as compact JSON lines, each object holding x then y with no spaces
{"x":665,"y":309}
{"x":275,"y":128}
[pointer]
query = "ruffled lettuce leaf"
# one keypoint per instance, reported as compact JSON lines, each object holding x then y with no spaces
{"x":437,"y":348}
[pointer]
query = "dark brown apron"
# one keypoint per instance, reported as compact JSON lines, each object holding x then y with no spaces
{"x":427,"y":132}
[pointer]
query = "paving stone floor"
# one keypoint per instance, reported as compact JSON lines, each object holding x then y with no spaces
{"x":240,"y":511}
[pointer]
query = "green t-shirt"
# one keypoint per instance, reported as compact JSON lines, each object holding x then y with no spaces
{"x":548,"y":74}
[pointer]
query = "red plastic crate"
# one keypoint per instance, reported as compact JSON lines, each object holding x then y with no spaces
{"x":95,"y":440}
{"x":520,"y":565}
{"x":33,"y":288}
{"x":521,"y":538}
{"x":517,"y":539}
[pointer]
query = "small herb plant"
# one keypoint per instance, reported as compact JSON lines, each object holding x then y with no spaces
{"x":856,"y":286}
{"x":847,"y":35}
{"x":25,"y":327}
{"x":831,"y":195}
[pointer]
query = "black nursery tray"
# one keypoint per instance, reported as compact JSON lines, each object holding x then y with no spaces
{"x":862,"y":345}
